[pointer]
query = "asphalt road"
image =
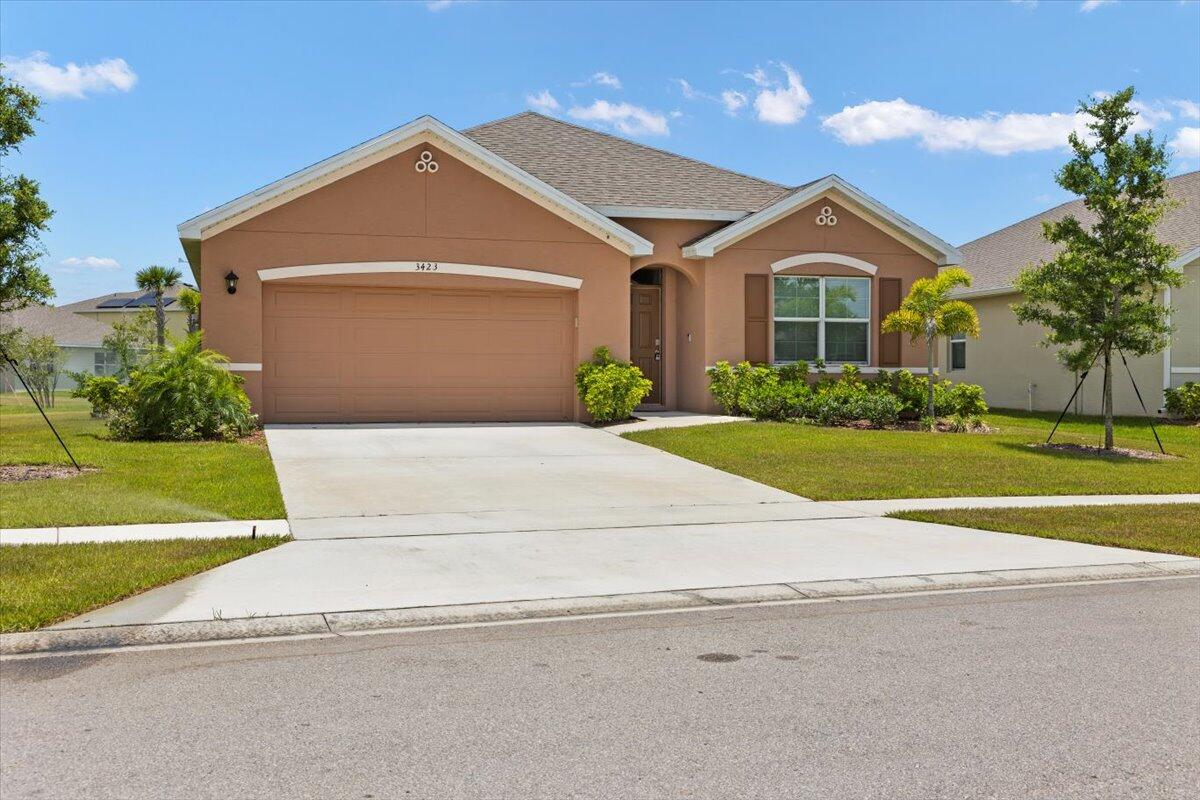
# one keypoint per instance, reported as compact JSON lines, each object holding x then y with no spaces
{"x":1065,"y":692}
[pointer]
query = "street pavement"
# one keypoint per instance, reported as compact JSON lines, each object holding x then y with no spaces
{"x":1085,"y":691}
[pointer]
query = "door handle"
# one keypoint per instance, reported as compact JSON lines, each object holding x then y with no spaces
{"x":657,"y":356}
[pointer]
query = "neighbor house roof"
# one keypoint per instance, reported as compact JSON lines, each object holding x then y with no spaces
{"x":131,"y":300}
{"x":68,"y":330}
{"x":616,"y":176}
{"x":994,"y":260}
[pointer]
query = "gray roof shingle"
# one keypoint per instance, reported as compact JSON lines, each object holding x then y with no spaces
{"x":600,"y":169}
{"x":68,"y":329}
{"x":92,"y":303}
{"x":994,"y":260}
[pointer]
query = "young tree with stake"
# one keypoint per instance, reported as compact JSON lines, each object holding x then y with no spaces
{"x":1100,"y":293}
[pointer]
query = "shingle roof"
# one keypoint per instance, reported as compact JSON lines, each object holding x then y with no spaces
{"x":994,"y":260}
{"x":92,"y":303}
{"x":68,"y":330}
{"x":600,"y":169}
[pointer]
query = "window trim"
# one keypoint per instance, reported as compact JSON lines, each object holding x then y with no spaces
{"x":956,"y":338}
{"x":821,"y":319}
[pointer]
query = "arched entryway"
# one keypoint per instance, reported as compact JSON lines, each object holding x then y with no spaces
{"x":664,"y":332}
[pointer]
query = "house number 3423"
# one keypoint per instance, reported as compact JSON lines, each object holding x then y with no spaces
{"x":427,"y":266}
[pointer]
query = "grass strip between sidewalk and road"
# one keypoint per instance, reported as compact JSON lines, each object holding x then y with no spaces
{"x":41,"y":584}
{"x":847,"y":464}
{"x":1159,"y":528}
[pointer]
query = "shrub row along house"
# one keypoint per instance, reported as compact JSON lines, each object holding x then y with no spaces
{"x":432,"y":274}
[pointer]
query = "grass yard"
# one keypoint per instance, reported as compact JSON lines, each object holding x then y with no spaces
{"x":1158,"y":528}
{"x":136,"y":481}
{"x":41,"y":584}
{"x":844,"y":464}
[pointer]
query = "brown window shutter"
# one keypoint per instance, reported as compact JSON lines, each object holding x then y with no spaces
{"x":758,"y":319}
{"x":889,"y":301}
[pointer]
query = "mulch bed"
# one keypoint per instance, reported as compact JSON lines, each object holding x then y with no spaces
{"x":19,"y":473}
{"x":1115,"y":453}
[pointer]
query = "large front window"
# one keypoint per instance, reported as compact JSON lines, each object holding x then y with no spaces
{"x":827,"y":318}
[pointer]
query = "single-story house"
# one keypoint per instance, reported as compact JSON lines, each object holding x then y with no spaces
{"x":108,"y":308}
{"x":1007,"y":360}
{"x":78,"y":337}
{"x":436,"y":274}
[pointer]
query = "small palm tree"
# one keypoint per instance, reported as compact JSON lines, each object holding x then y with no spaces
{"x":929,"y":312}
{"x":189,"y":299}
{"x":158,"y":279}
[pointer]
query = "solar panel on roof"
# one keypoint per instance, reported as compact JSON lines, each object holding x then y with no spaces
{"x":115,"y":302}
{"x":146,"y":300}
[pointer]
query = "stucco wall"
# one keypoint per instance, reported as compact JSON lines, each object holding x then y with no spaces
{"x":1007,"y":359}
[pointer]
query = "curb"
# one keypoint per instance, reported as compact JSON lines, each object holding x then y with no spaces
{"x":66,"y":640}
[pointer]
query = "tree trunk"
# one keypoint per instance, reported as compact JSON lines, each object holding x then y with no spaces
{"x":1108,"y":398}
{"x":929,"y":375}
{"x":160,"y":319}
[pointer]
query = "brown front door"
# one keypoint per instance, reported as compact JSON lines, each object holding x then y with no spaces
{"x":645,"y":336}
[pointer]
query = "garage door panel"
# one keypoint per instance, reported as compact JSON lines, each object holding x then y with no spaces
{"x":365,"y":354}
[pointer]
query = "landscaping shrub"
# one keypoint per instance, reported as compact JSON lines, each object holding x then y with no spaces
{"x":610,"y":389}
{"x":964,"y":399}
{"x":182,"y":392}
{"x":845,"y":401}
{"x":106,"y":393}
{"x":1184,"y":401}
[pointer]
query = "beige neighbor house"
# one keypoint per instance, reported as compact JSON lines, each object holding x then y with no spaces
{"x":433,"y":274}
{"x":1017,"y":373}
{"x":109,"y":308}
{"x":78,"y":338}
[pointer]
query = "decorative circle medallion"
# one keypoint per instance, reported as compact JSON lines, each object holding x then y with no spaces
{"x":826,"y":217}
{"x":425,"y":163}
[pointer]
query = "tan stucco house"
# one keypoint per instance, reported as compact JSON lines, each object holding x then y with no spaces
{"x":1007,"y":360}
{"x":108,"y":308}
{"x":79,"y":339}
{"x":433,"y":274}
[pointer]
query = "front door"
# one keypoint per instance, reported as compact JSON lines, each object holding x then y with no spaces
{"x":645,"y":336}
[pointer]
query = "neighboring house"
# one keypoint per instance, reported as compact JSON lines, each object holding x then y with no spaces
{"x":1017,"y":373}
{"x":78,"y":336}
{"x":432,"y":274}
{"x":108,"y":308}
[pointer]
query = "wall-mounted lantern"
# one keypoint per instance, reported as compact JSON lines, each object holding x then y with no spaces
{"x":231,"y":282}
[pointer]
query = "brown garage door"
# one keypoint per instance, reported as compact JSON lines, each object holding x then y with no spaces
{"x":361,"y":354}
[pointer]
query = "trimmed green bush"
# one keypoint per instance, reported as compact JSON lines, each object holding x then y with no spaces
{"x":105,"y":393}
{"x":1183,"y":401}
{"x":609,"y":388}
{"x":182,"y":392}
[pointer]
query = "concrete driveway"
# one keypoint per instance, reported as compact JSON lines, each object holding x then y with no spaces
{"x":421,"y":479}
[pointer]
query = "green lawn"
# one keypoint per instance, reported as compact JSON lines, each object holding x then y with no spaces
{"x":136,"y":482}
{"x":842,"y":464}
{"x":1159,"y":528}
{"x":41,"y":584}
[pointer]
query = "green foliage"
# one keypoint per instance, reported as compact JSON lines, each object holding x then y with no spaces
{"x":23,"y":213}
{"x":189,"y":301}
{"x":1184,"y":401}
{"x":158,"y":279}
{"x":609,"y":388}
{"x":796,"y":371}
{"x":181,"y":393}
{"x":1099,"y":293}
{"x":130,"y":339}
{"x":965,"y":400}
{"x":105,"y":393}
{"x":41,"y":362}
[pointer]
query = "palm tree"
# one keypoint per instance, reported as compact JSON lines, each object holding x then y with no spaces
{"x":158,"y":279}
{"x":190,"y":300}
{"x":929,"y":312}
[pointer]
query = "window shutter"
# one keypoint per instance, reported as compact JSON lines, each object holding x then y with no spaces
{"x":889,"y":301}
{"x":758,"y":319}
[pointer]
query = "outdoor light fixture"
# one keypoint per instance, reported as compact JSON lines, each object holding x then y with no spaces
{"x":231,"y":282}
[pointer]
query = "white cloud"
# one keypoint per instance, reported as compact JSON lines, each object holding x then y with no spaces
{"x":758,"y":77}
{"x":606,"y":79}
{"x":89,"y":262}
{"x":625,"y":117}
{"x":733,"y":101}
{"x":542,"y":101}
{"x":1186,"y":143}
{"x":1088,"y":6}
{"x":997,"y":134}
{"x":781,"y":105}
{"x":1025,"y":3}
{"x":691,"y":92}
{"x":1187,"y":108}
{"x":72,"y":80}
{"x":441,"y":5}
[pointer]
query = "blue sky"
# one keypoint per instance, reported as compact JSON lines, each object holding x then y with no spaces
{"x":950,"y":113}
